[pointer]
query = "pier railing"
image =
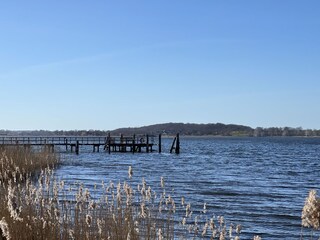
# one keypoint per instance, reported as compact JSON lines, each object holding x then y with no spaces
{"x":135,"y":143}
{"x":87,"y":140}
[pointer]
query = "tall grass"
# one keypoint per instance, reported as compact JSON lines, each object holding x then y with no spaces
{"x":35,"y":205}
{"x":18,"y":167}
{"x":20,"y":162}
{"x":49,"y":210}
{"x":32,"y":202}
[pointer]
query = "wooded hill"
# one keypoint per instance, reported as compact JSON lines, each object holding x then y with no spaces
{"x":189,"y":129}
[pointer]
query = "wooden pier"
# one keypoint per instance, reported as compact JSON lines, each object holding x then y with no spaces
{"x":133,"y":144}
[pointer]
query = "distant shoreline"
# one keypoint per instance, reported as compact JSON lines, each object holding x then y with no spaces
{"x":191,"y":130}
{"x":221,"y":136}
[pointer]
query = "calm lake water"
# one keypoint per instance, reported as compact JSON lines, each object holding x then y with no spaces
{"x":260,"y":183}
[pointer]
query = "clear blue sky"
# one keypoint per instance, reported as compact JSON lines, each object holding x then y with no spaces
{"x":110,"y":64}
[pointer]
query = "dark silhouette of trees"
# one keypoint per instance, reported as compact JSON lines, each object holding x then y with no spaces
{"x":187,"y":129}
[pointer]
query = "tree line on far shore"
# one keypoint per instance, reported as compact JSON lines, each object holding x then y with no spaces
{"x":185,"y":129}
{"x":285,"y":131}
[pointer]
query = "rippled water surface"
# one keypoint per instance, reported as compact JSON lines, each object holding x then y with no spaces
{"x":261,"y":183}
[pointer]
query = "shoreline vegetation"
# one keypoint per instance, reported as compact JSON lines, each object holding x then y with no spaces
{"x":36,"y":204}
{"x":184,"y":129}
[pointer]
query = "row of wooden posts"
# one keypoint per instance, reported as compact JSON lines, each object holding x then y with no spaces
{"x":134,"y":147}
{"x":135,"y":143}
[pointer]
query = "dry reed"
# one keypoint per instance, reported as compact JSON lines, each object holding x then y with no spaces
{"x":47,"y":209}
{"x":311,"y":213}
{"x":18,"y":162}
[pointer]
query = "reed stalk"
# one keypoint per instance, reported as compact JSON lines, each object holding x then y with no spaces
{"x":35,"y":205}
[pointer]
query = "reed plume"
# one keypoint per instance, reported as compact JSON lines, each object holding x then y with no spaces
{"x":311,"y":211}
{"x":32,"y":201}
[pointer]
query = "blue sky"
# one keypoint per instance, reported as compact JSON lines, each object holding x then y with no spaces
{"x":110,"y":64}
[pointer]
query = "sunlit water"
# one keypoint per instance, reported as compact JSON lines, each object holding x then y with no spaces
{"x":260,"y":183}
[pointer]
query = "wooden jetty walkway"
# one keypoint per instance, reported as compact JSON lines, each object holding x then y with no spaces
{"x":133,"y":144}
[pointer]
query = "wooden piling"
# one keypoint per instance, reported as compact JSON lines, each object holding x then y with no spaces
{"x":121,"y":148}
{"x":77,"y":147}
{"x":159,"y":143}
{"x":109,"y":143}
{"x":134,"y":144}
{"x":178,"y":144}
{"x":173,"y":145}
{"x":66,"y":142}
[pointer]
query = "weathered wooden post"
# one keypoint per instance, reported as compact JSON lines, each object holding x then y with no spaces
{"x":173,"y":144}
{"x":147,"y":143}
{"x":134,"y":143}
{"x":178,"y":144}
{"x":105,"y":143}
{"x":77,"y":147}
{"x":66,"y":142}
{"x":121,"y":143}
{"x":159,"y":143}
{"x":109,"y":143}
